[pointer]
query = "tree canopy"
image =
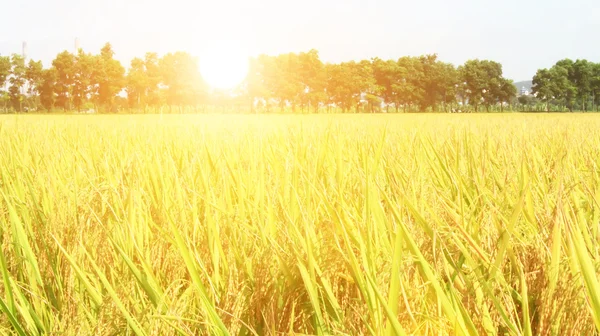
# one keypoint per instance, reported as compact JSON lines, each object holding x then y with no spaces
{"x":568,"y":83}
{"x":296,"y":82}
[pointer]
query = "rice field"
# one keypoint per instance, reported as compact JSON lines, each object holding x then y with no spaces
{"x":314,"y":224}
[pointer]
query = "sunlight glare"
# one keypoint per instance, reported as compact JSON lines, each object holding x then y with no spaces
{"x":223,"y":64}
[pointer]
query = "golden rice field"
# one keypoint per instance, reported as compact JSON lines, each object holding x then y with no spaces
{"x":319,"y":225}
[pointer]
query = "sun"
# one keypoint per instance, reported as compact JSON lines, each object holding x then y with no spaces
{"x":223,"y":64}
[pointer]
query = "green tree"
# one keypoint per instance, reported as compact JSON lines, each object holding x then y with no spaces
{"x":449,"y":82}
{"x":437,"y":82}
{"x":338,"y":88}
{"x":526,"y":101}
{"x":431,"y":81}
{"x":283,"y":79}
{"x":5,"y":68}
{"x":505,"y":92}
{"x":409,"y":89}
{"x":581,"y":78}
{"x":33,"y":77}
{"x":370,"y":91}
{"x":565,"y":89}
{"x":348,"y":81}
{"x":137,"y":83}
{"x":48,"y":88}
{"x":595,"y":86}
{"x":153,"y":79}
{"x":142,"y":81}
{"x":387,"y":75}
{"x":84,"y":78}
{"x":544,"y":86}
{"x":181,"y":77}
{"x":110,"y":76}
{"x":313,"y":78}
{"x":17,"y":82}
{"x":483,"y":82}
{"x":65,"y":71}
{"x":255,"y":86}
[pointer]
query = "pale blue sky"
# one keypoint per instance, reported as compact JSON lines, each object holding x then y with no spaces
{"x":522,"y":35}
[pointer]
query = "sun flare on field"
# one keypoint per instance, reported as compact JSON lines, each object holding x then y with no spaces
{"x":223,"y":65}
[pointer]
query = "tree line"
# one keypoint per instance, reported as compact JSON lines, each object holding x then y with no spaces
{"x":298,"y":82}
{"x":568,"y":84}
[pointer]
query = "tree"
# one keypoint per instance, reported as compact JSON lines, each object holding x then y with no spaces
{"x":368,"y":86}
{"x":595,"y":86}
{"x":33,"y":78}
{"x":449,"y":81}
{"x":483,"y":82}
{"x":505,"y":92}
{"x":563,"y":74}
{"x":48,"y":88}
{"x":312,"y":77}
{"x":387,"y":75}
{"x":430,"y":82}
{"x":180,"y":75}
{"x":110,"y":77}
{"x":84,"y":78}
{"x":64,"y":65}
{"x":153,"y":79}
{"x":142,"y":81}
{"x":347,"y":81}
{"x":581,"y":78}
{"x":17,"y":82}
{"x":564,"y":89}
{"x":255,"y":85}
{"x":408,"y":89}
{"x":293,"y":79}
{"x":282,"y":79}
{"x":544,"y":86}
{"x":526,"y":101}
{"x":137,"y":83}
{"x":5,"y":68}
{"x":438,"y":82}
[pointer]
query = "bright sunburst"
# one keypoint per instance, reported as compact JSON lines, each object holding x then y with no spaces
{"x":223,"y":64}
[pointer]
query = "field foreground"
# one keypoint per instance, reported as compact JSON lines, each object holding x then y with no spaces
{"x":349,"y":225}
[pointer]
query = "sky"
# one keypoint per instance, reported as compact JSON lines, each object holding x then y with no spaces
{"x":522,"y":35}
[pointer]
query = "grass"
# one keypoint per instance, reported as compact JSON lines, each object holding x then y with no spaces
{"x":344,"y":225}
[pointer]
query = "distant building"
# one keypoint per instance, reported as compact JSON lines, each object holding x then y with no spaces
{"x":524,"y":91}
